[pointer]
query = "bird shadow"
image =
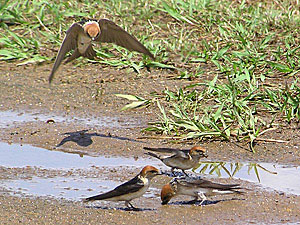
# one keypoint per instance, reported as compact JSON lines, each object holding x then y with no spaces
{"x":84,"y":139}
{"x":206,"y":202}
{"x":121,"y":208}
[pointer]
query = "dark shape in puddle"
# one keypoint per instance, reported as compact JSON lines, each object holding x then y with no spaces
{"x":84,"y":139}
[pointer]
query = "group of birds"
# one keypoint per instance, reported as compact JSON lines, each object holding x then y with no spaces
{"x":181,"y":185}
{"x":79,"y":38}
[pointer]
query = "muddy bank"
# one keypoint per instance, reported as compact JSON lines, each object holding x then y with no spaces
{"x":79,"y":114}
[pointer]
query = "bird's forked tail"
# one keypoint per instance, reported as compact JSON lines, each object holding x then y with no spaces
{"x":153,"y":155}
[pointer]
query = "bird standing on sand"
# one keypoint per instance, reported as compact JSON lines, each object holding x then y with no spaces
{"x":182,"y":159}
{"x":196,"y":187}
{"x":130,"y":190}
{"x":80,"y":35}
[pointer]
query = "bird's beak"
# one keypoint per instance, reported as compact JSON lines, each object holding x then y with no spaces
{"x":162,"y":173}
{"x":159,"y":173}
{"x":165,"y":202}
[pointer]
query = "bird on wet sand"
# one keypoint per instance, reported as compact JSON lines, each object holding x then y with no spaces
{"x":182,"y":159}
{"x":130,"y":190}
{"x":80,"y":35}
{"x":197,"y":188}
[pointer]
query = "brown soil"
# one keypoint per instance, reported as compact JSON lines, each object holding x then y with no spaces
{"x":88,"y":92}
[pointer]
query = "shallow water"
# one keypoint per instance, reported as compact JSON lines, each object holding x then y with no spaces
{"x":13,"y":118}
{"x":71,"y":188}
{"x":15,"y":155}
{"x":268,"y":175}
{"x":277,"y":177}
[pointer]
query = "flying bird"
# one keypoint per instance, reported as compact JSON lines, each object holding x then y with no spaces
{"x":182,"y":159}
{"x":196,"y":187}
{"x":130,"y":190}
{"x":80,"y":35}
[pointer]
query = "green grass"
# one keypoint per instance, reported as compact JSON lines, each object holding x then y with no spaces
{"x":252,"y":52}
{"x":32,"y":30}
{"x":242,"y":58}
{"x":230,"y":169}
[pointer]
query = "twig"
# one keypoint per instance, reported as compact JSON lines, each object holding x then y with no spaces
{"x":158,"y":137}
{"x":41,"y":23}
{"x":270,"y":140}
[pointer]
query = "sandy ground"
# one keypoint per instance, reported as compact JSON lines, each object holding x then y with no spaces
{"x":88,"y":92}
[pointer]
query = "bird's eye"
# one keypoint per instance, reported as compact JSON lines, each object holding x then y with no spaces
{"x":82,"y":43}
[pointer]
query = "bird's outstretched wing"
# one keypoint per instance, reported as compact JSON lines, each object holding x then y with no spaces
{"x":130,"y":186}
{"x":112,"y":33}
{"x":69,"y":43}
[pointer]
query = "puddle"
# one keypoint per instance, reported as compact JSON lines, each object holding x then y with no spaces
{"x":65,"y":187}
{"x":277,"y":177}
{"x":71,"y":188}
{"x":12,"y":118}
{"x":15,"y":155}
{"x":270,"y":176}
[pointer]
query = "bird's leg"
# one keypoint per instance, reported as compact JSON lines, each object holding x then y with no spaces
{"x":185,"y":173}
{"x":172,"y":171}
{"x":202,"y":196}
{"x":193,"y":201}
{"x":129,"y":205}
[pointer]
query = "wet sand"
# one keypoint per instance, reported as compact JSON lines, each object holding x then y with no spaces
{"x":82,"y":103}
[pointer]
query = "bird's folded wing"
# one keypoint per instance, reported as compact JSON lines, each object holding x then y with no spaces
{"x":69,"y":43}
{"x":183,"y":154}
{"x":207,"y":184}
{"x":178,"y":152}
{"x":112,"y":33}
{"x":131,"y":186}
{"x":163,"y":150}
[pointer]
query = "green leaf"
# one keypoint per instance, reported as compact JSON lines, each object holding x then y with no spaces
{"x":134,"y":105}
{"x":218,"y":112}
{"x":161,"y":65}
{"x":130,"y":97}
{"x":281,"y":67}
{"x":256,"y":172}
{"x":223,"y":51}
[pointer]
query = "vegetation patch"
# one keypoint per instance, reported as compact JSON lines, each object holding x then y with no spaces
{"x":241,"y":58}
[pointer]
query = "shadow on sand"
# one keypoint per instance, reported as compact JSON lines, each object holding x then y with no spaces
{"x":121,"y":208}
{"x":206,"y":202}
{"x":83,"y":138}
